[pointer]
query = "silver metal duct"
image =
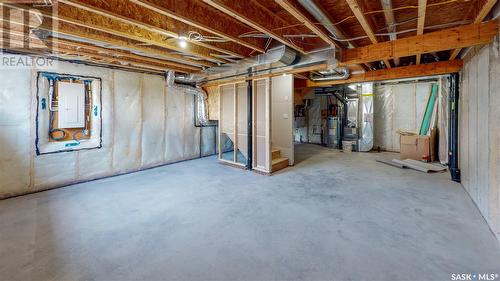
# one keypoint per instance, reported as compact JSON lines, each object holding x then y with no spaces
{"x":279,"y":56}
{"x":322,"y":18}
{"x":266,"y":66}
{"x":201,"y":96}
{"x":340,"y":73}
{"x":365,"y":142}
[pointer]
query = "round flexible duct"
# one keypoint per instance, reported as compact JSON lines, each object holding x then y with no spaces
{"x":201,"y":96}
{"x":340,"y":73}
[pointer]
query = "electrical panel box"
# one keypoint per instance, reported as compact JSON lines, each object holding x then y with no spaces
{"x":71,"y":105}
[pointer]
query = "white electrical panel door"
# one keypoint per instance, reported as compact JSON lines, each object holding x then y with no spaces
{"x":71,"y":105}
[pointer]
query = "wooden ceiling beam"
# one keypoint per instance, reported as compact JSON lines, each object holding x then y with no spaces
{"x":402,"y":72}
{"x":291,"y":9}
{"x":457,"y":37}
{"x":177,"y":15}
{"x":358,"y":13}
{"x":143,"y":25}
{"x":422,"y":8}
{"x":481,"y":15}
{"x":240,"y":16}
{"x":82,"y":31}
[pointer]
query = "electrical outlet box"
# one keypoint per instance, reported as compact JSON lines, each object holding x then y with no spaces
{"x":71,"y":105}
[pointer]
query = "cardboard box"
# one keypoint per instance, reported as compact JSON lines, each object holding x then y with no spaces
{"x":414,"y":147}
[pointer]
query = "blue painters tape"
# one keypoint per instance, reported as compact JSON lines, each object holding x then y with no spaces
{"x":71,"y":144}
{"x":96,"y":111}
{"x":44,"y":103}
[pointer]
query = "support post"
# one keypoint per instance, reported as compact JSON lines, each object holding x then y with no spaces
{"x":453,"y":127}
{"x":249,"y":124}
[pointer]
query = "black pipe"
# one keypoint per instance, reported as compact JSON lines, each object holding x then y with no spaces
{"x":249,"y":122}
{"x":453,"y":100}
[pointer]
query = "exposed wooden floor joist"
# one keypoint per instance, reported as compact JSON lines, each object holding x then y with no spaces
{"x":485,"y":10}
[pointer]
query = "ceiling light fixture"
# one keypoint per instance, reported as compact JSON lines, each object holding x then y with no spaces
{"x":183,"y":42}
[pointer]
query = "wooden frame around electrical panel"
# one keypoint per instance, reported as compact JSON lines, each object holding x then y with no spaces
{"x":268,"y":160}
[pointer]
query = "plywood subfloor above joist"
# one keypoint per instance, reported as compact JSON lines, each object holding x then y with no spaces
{"x":413,"y":71}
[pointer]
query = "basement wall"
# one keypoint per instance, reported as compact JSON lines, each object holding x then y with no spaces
{"x":398,"y":106}
{"x":144,"y":126}
{"x":479,"y":132}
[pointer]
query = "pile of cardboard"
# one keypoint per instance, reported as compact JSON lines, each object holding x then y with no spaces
{"x":418,"y":147}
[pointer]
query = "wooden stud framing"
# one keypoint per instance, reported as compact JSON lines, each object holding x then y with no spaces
{"x":269,"y":129}
{"x":485,"y":10}
{"x":267,"y":109}
{"x":353,"y":4}
{"x":401,"y":72}
{"x":458,"y":37}
{"x":235,"y":127}
{"x":252,"y":24}
{"x":235,"y":123}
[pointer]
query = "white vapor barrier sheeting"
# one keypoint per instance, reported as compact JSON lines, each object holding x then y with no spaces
{"x":142,"y":126}
{"x":97,"y":163}
{"x":153,"y":120}
{"x":15,"y":140}
{"x":174,"y":138}
{"x":191,"y":134}
{"x":398,"y":107}
{"x":366,"y":104}
{"x":208,"y":141}
{"x":314,"y":121}
{"x":52,"y":169}
{"x":128,"y":114}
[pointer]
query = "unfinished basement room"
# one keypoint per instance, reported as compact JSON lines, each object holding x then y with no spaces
{"x":252,"y":140}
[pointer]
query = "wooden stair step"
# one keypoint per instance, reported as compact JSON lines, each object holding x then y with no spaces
{"x":279,"y":164}
{"x":275,"y":153}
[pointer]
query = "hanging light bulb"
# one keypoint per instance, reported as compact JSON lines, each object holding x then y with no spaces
{"x":183,"y":42}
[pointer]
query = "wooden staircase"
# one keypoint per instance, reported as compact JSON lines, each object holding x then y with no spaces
{"x":278,"y":162}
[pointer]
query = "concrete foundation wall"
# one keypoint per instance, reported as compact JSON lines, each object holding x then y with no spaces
{"x":479,"y":132}
{"x":144,"y":125}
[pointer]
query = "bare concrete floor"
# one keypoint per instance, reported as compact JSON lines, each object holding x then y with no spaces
{"x":331,"y":217}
